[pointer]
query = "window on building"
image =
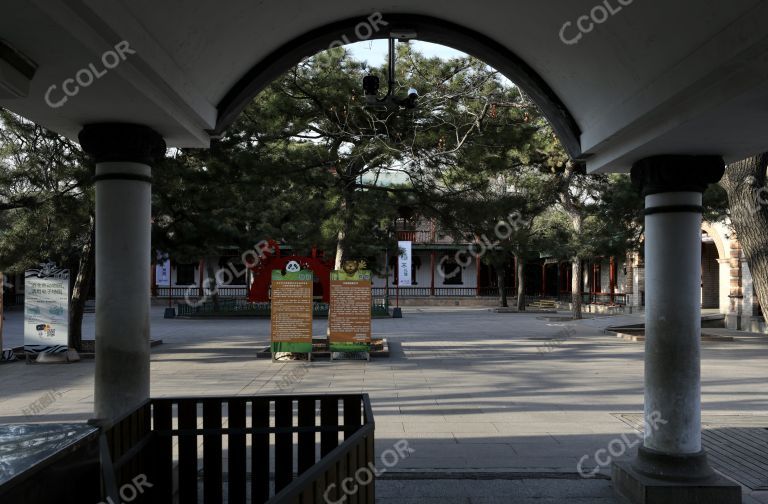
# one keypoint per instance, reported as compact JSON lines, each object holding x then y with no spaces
{"x":415,"y":265}
{"x":185,"y":274}
{"x":239,"y":279}
{"x":234,"y":271}
{"x":453,"y":272}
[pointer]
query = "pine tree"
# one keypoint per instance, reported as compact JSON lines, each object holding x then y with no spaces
{"x":46,"y":207}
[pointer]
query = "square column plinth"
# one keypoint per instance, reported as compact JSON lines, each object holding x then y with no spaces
{"x":638,"y":488}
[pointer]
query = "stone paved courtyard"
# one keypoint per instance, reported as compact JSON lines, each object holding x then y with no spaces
{"x":493,"y":405}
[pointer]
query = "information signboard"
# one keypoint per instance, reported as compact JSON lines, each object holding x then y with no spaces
{"x":291,"y":311}
{"x":46,"y":309}
{"x":404,"y":264}
{"x":349,"y":317}
{"x":163,"y":272}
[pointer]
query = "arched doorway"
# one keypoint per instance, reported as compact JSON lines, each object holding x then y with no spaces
{"x":712,"y":256}
{"x":710,"y":273}
{"x":419,"y":27}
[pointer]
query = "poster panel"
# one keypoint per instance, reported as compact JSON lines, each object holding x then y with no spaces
{"x":163,"y":272}
{"x":46,"y":309}
{"x":349,"y":317}
{"x":404,"y":264}
{"x":291,"y":311}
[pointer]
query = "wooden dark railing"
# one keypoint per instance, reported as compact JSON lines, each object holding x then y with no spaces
{"x":411,"y":292}
{"x":193,"y":291}
{"x":416,"y":236}
{"x":244,"y":307}
{"x":127,"y":452}
{"x":494,"y":291}
{"x":596,"y":298}
{"x":296,"y":449}
{"x":414,"y":292}
{"x":606,"y":298}
{"x":239,"y":292}
{"x":13,"y":299}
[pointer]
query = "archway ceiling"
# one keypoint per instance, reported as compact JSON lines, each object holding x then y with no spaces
{"x":685,"y":77}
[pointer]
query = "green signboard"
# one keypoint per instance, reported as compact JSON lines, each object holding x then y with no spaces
{"x":349,"y":316}
{"x":291,"y":311}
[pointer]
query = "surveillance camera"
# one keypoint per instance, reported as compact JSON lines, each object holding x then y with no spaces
{"x":371,"y":89}
{"x":413,"y":95}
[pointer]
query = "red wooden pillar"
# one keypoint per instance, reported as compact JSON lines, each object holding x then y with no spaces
{"x":170,"y":285}
{"x":612,"y":275}
{"x":477,"y":283}
{"x":595,"y":280}
{"x":201,"y":273}
{"x":514,"y":274}
{"x":432,"y":267}
{"x":544,"y":278}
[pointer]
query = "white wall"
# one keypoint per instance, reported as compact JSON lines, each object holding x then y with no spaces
{"x":424,"y":275}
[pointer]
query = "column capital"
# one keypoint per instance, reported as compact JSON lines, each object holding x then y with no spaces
{"x":122,"y":142}
{"x":677,"y":173}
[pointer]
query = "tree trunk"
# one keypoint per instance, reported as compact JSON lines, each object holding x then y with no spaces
{"x":745,"y":183}
{"x":346,"y":210}
{"x":577,"y":284}
{"x":520,"y":284}
{"x":81,"y":290}
{"x":574,"y":210}
{"x":576,"y":287}
{"x":2,"y":315}
{"x":501,"y":276}
{"x":339,"y":250}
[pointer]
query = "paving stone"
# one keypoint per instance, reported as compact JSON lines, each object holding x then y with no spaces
{"x":466,"y":387}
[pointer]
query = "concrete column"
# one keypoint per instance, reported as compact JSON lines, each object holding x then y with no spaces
{"x":672,"y":456}
{"x":123,"y":155}
{"x":673,"y":321}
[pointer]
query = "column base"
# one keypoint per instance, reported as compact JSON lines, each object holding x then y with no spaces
{"x":657,"y":478}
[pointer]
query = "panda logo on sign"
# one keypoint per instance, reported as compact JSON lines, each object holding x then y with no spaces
{"x":293,"y":267}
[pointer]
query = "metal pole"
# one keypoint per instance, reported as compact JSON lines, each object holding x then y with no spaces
{"x":386,"y":280}
{"x":397,"y":275}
